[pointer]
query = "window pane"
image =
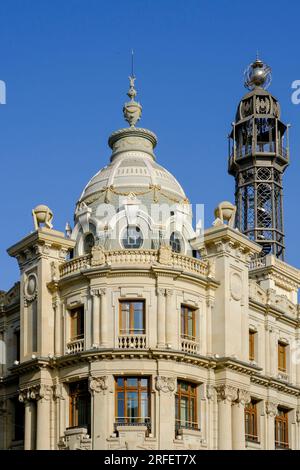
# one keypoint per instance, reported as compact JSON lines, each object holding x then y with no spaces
{"x":132,"y":405}
{"x":144,"y":382}
{"x":190,"y":323}
{"x":138,"y":322}
{"x":144,"y":405}
{"x":120,"y":381}
{"x":183,"y":410}
{"x":132,"y":382}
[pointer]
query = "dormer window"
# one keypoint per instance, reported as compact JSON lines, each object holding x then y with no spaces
{"x":175,"y":242}
{"x":132,"y":238}
{"x":89,"y":242}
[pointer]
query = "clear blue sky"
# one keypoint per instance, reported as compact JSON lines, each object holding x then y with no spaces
{"x":66,"y":63}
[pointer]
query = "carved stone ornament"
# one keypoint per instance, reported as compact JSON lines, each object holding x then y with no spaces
{"x":98,"y":256}
{"x":54,"y":271}
{"x":35,"y":392}
{"x":271,"y":408}
{"x":243,"y":397}
{"x":42,"y":215}
{"x":236,"y":286}
{"x":165,"y":255}
{"x":30,"y":287}
{"x":225,"y":211}
{"x":227,"y":393}
{"x":165,"y":384}
{"x":98,"y":384}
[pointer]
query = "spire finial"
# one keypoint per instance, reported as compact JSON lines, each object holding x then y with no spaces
{"x":132,"y":110}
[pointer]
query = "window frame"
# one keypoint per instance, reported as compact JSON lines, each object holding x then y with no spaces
{"x":139,"y":389}
{"x":282,"y":420}
{"x":73,"y":400}
{"x":131,"y":330}
{"x":80,"y":326}
{"x":192,"y":395}
{"x":252,"y":349}
{"x":184,"y":309}
{"x":282,"y":353}
{"x":251,"y":412}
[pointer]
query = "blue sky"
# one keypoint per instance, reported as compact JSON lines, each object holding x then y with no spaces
{"x":66,"y":65}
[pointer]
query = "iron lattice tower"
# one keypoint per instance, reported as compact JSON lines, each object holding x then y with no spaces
{"x":258,"y":156}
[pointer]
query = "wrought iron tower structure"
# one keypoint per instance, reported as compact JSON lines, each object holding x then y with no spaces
{"x":258,"y":156}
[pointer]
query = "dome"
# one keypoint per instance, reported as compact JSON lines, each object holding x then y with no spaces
{"x":133,"y":170}
{"x":133,"y":201}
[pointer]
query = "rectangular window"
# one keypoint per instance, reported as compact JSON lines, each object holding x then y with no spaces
{"x":132,"y":317}
{"x":19,"y":420}
{"x":251,"y":433}
{"x":17,"y":345}
{"x":252,"y":345}
{"x":188,"y":322}
{"x":132,"y":400}
{"x":77,"y":323}
{"x":281,"y":357}
{"x":80,"y":405}
{"x":186,"y":406}
{"x":281,"y":429}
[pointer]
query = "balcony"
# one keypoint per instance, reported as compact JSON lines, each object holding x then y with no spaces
{"x":189,"y":346}
{"x":135,"y":257}
{"x":134,"y":421}
{"x":132,"y":342}
{"x":75,"y":346}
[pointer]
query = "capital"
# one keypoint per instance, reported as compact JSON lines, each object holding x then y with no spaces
{"x":98,"y":384}
{"x":165,"y":384}
{"x":227,"y":393}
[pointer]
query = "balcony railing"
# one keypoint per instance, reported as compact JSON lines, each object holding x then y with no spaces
{"x":180,"y":424}
{"x":75,"y":346}
{"x":134,"y":257}
{"x":134,"y":421}
{"x":189,"y":346}
{"x":132,"y":342}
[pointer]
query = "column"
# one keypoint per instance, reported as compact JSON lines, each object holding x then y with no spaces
{"x":99,"y":424}
{"x":104,"y":339}
{"x":165,"y":387}
{"x":209,"y":310}
{"x":57,"y":328}
{"x":171,"y":320}
{"x":226,"y":395}
{"x":271,"y":411}
{"x":161,"y":318}
{"x":30,"y":421}
{"x":43,"y":418}
{"x":238,"y":420}
{"x":95,"y":293}
{"x":267,"y":350}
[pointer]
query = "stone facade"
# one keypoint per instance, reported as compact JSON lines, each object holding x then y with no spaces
{"x":63,"y":390}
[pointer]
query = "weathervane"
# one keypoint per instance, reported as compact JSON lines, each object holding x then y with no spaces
{"x":257,"y":75}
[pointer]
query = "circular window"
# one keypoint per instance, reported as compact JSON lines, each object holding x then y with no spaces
{"x":175,"y":242}
{"x":89,"y":242}
{"x":132,"y":237}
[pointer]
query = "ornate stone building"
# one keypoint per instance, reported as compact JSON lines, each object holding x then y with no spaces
{"x":133,"y":330}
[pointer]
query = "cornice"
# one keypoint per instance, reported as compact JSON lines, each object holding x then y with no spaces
{"x":276,"y":384}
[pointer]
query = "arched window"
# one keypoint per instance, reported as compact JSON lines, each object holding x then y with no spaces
{"x":132,"y":237}
{"x":175,"y":242}
{"x":89,"y":242}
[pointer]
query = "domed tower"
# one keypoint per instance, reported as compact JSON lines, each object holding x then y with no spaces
{"x":258,"y":158}
{"x":133,"y":202}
